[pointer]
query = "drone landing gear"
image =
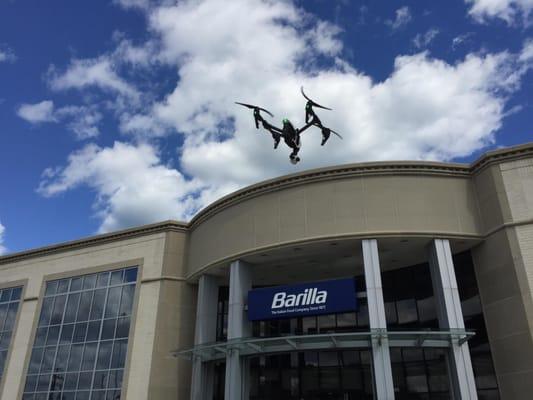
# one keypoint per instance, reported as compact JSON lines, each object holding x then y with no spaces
{"x":276,"y":138}
{"x":325,"y":135}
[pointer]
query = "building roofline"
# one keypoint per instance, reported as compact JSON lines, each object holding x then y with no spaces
{"x":150,"y":229}
{"x":364,"y":169}
{"x":282,"y":182}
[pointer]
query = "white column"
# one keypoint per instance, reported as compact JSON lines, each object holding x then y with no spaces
{"x":451,"y":317}
{"x":238,"y":327}
{"x":384,"y":387}
{"x":205,"y":332}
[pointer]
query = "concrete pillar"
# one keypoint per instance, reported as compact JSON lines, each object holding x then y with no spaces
{"x":383,"y":384}
{"x":451,"y":317}
{"x":205,"y":332}
{"x":237,"y":369}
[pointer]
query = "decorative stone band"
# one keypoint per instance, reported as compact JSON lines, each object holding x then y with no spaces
{"x":258,"y":346}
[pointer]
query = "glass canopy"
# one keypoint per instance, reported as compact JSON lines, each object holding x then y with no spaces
{"x":256,"y":346}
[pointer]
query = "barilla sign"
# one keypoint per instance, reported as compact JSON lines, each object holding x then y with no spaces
{"x":326,"y":297}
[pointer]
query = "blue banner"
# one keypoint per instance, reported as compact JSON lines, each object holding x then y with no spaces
{"x":315,"y":298}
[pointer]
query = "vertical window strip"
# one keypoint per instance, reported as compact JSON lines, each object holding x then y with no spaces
{"x":81,"y":363}
{"x":9,"y":304}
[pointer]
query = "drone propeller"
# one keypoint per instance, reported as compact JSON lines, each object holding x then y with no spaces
{"x":257,"y":113}
{"x":326,"y":132}
{"x":335,"y":133}
{"x":311,"y":101}
{"x":255,"y":108}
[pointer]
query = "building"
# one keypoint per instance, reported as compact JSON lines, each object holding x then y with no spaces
{"x":435,"y":301}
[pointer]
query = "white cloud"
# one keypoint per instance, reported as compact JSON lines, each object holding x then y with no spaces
{"x":323,"y":38}
{"x":423,"y":40}
{"x":363,"y":14}
{"x":508,"y":10}
{"x":461,"y":39}
{"x":143,"y":4}
{"x":132,"y":185}
{"x":262,"y":43}
{"x":526,"y":56}
{"x":402,"y":18}
{"x":427,"y":109}
{"x":98,"y":73}
{"x":262,"y":52}
{"x":38,"y":112}
{"x":7,"y":55}
{"x":82,"y":120}
{"x":3,"y":250}
{"x":135,"y":55}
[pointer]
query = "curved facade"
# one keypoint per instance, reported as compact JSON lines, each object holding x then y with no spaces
{"x":441,"y":256}
{"x":361,"y":201}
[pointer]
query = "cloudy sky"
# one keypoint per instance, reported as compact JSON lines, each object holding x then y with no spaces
{"x":116,"y":113}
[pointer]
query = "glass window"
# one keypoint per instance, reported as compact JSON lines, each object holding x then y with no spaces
{"x":420,"y":373}
{"x":9,"y":303}
{"x":222,"y":313}
{"x":411,"y":306}
{"x":80,"y":345}
{"x":309,"y":375}
{"x":480,"y":353}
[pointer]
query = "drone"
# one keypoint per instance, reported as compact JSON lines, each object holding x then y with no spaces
{"x":290,"y":134}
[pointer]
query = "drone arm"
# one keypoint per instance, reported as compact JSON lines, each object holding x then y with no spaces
{"x":305,"y":127}
{"x":315,"y":121}
{"x":276,"y":133}
{"x":326,"y":132}
{"x":271,"y":128}
{"x":309,"y":112}
{"x":258,"y":118}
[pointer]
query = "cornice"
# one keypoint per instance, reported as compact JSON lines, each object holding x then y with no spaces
{"x":365,"y":169}
{"x":502,"y":155}
{"x":160,"y":227}
{"x":332,"y":173}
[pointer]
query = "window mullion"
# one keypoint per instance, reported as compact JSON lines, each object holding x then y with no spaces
{"x":99,"y":341}
{"x":58,"y":337}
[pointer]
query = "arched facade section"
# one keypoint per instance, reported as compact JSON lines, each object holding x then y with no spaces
{"x":377,"y":200}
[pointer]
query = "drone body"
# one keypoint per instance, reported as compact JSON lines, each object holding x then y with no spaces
{"x":290,"y":134}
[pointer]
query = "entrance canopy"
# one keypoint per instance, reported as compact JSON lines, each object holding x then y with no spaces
{"x":257,"y":346}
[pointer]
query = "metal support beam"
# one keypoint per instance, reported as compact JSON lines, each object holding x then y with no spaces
{"x":451,"y":317}
{"x":205,"y":332}
{"x":421,"y":340}
{"x":255,"y":347}
{"x":384,"y":387}
{"x":238,"y":327}
{"x":291,"y":343}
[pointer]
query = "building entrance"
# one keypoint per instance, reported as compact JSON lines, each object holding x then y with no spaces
{"x":419,"y":351}
{"x":418,"y":373}
{"x":309,"y":375}
{"x":312,"y":375}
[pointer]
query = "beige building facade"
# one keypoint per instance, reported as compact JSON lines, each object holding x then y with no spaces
{"x":442,"y":255}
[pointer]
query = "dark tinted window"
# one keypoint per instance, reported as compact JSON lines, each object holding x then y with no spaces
{"x":473,"y":316}
{"x":409,"y":300}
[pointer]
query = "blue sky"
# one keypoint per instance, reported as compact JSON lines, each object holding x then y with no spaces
{"x":119,"y":113}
